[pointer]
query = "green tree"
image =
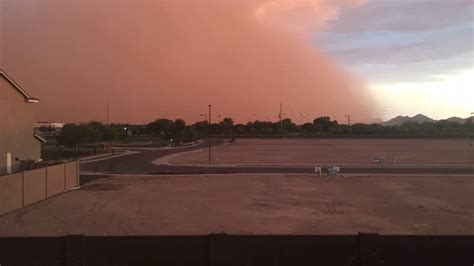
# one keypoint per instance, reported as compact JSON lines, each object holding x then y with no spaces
{"x":288,"y":125}
{"x":239,"y":130}
{"x":227,"y":125}
{"x":307,"y":128}
{"x":179,"y":131}
{"x":106,"y":132}
{"x":161,"y":127}
{"x":179,"y":125}
{"x":72,"y":135}
{"x":324,"y":125}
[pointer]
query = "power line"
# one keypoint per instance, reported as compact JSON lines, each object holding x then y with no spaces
{"x":147,"y":112}
{"x":348,"y":120}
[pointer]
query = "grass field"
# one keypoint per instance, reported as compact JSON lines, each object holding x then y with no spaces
{"x":337,"y":151}
{"x":253,"y":204}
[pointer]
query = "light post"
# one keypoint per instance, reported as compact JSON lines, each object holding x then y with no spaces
{"x":210,"y":132}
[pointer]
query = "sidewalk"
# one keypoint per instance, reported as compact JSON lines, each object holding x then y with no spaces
{"x":105,"y":156}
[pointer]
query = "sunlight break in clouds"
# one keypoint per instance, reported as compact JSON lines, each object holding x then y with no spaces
{"x":444,"y":96}
{"x":302,"y":16}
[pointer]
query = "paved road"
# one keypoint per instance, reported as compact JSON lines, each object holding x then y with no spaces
{"x":140,"y":163}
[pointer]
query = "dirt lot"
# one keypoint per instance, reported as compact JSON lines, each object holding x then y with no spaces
{"x":253,"y":204}
{"x":336,"y":151}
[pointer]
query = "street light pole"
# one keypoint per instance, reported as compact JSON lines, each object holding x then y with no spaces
{"x":280,"y":115}
{"x":210,"y":132}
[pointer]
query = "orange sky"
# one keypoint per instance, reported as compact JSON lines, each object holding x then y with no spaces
{"x":169,"y":59}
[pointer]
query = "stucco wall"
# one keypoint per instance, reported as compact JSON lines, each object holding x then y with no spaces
{"x":27,"y":187}
{"x":71,"y":175}
{"x":16,"y":128}
{"x":55,"y":179}
{"x":34,"y":186}
{"x":10,"y":192}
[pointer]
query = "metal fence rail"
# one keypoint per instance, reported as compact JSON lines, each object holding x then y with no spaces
{"x":238,"y":250}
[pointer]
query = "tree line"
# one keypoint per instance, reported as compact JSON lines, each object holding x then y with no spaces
{"x":177,"y":131}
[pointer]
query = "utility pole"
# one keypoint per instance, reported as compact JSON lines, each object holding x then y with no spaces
{"x":348,"y":120}
{"x":210,"y":128}
{"x":281,"y":119}
{"x":107,"y":113}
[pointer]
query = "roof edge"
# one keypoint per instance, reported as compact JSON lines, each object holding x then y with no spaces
{"x":17,"y":87}
{"x":38,"y":137}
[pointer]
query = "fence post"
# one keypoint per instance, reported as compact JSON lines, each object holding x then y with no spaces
{"x":75,"y":250}
{"x":46,"y":182}
{"x":65,"y":171}
{"x":219,"y":249}
{"x":368,"y":249}
{"x":78,"y":182}
{"x":22,"y":189}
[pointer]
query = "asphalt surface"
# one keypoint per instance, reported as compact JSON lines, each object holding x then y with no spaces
{"x":141,"y":163}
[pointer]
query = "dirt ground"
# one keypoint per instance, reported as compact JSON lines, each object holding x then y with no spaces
{"x":253,"y":204}
{"x":337,"y":151}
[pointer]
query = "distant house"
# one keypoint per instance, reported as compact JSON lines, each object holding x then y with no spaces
{"x":20,"y":148}
{"x":49,"y":128}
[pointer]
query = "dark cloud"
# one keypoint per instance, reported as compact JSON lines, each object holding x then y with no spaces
{"x":404,"y":15}
{"x":397,"y":37}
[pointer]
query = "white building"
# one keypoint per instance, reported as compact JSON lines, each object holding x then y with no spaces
{"x":54,"y":128}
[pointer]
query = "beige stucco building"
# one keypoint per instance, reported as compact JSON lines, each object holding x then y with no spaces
{"x":20,"y":148}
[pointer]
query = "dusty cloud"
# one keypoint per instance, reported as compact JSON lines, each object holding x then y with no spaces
{"x":171,"y":59}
